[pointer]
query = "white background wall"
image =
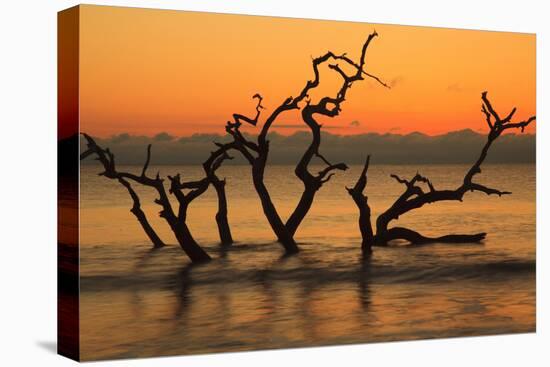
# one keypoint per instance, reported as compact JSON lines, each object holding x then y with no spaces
{"x":28,"y":181}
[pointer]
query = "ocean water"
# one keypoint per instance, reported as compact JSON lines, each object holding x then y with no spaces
{"x":138,"y":302}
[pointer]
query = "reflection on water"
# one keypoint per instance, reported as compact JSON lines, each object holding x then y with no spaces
{"x":138,"y":302}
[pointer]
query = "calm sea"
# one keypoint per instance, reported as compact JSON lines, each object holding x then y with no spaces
{"x":136,"y":302}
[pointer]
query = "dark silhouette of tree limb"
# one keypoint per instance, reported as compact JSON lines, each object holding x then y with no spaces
{"x":210,"y":166}
{"x":256,"y":153}
{"x":362,"y":202}
{"x":178,"y":226}
{"x":238,"y":117}
{"x":140,"y":215}
{"x":420,"y":191}
{"x":106,"y":158}
{"x":196,"y":188}
{"x":330,"y":107}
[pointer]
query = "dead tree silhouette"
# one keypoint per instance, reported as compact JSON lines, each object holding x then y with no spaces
{"x":184,"y":192}
{"x":420,"y":191}
{"x":106,"y":158}
{"x":210,"y":167}
{"x":256,"y":153}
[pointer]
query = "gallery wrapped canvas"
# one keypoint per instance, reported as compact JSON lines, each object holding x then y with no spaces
{"x":233,"y":183}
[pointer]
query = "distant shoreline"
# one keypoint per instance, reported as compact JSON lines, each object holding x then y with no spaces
{"x":452,"y":148}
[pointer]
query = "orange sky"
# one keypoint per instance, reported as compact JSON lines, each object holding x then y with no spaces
{"x":150,"y":71}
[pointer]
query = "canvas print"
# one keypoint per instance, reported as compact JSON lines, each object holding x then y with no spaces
{"x":234,"y":183}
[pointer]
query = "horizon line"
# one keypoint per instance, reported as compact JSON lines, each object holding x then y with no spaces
{"x":396,"y":133}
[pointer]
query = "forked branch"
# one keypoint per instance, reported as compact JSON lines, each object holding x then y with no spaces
{"x":329,"y":106}
{"x":415,"y":196}
{"x":107,"y":160}
{"x":362,"y":201}
{"x":178,"y":226}
{"x":257,"y":153}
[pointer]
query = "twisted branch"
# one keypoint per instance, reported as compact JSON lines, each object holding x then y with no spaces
{"x":414,"y":197}
{"x":176,"y":222}
{"x":362,"y":202}
{"x":107,"y":160}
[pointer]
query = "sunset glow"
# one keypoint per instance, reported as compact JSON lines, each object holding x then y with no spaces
{"x":145,"y":71}
{"x":231,"y":183}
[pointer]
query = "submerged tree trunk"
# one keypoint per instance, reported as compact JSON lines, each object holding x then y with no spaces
{"x":210,"y":167}
{"x":256,"y":153}
{"x":141,"y":217}
{"x":224,"y":230}
{"x":301,"y":210}
{"x":415,"y":238}
{"x":106,"y":158}
{"x":362,"y":203}
{"x":188,"y":243}
{"x":283,"y":235}
{"x":176,"y":222}
{"x":420,"y":191}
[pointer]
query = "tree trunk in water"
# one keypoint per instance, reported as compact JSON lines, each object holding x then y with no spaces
{"x":221,"y":216}
{"x":362,"y":202}
{"x":188,"y":243}
{"x":279,"y":228}
{"x":301,"y":210}
{"x":142,"y":219}
{"x":176,"y":223}
{"x":366,"y":231}
{"x":400,"y":233}
{"x":420,"y":191}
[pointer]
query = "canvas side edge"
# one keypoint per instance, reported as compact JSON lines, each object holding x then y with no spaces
{"x":68,"y":323}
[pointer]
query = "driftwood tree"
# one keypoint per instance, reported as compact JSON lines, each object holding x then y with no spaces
{"x":420,"y":191}
{"x":184,"y":192}
{"x":257,"y":152}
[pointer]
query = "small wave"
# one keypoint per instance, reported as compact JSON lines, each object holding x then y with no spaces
{"x":311,"y":275}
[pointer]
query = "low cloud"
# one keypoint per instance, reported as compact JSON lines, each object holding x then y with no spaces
{"x":163,"y":137}
{"x":120,"y":138}
{"x":302,"y":126}
{"x":415,"y":148}
{"x":290,"y":126}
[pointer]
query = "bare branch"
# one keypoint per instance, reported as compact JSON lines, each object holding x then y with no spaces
{"x":146,"y":165}
{"x":326,"y":106}
{"x":400,"y":233}
{"x":86,"y":154}
{"x":140,"y":215}
{"x":238,"y":117}
{"x":361,"y":200}
{"x":489,"y":191}
{"x":377,"y":79}
{"x":107,"y":159}
{"x":329,"y":169}
{"x":489,"y":106}
{"x":327,"y":179}
{"x":414,"y":197}
{"x":509,"y":117}
{"x":520,"y":125}
{"x":400,"y":180}
{"x":420,"y":178}
{"x":362,"y":181}
{"x":292,"y":103}
{"x":321,"y":157}
{"x":487,"y":116}
{"x":240,"y":139}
